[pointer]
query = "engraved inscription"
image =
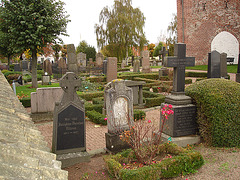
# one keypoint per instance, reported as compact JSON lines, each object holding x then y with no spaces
{"x":120,"y":109}
{"x":70,"y":129}
{"x":185,"y":121}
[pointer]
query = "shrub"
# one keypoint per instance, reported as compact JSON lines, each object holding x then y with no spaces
{"x":98,"y":100}
{"x":195,"y":74}
{"x":12,"y":77}
{"x":96,"y":107}
{"x":157,"y":101}
{"x":96,"y":79}
{"x":41,"y":72}
{"x":139,"y":114}
{"x":90,"y":95}
{"x":183,"y":162}
{"x":96,"y":117}
{"x":26,"y":102}
{"x":218,"y":104}
{"x":123,"y":69}
{"x":148,"y":94}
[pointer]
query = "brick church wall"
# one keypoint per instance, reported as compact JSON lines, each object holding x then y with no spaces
{"x":203,"y":20}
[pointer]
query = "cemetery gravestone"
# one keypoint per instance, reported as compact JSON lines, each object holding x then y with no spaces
{"x":72,"y":59}
{"x":183,"y":121}
{"x":62,"y":66}
{"x":136,"y":66}
{"x":111,"y":69}
{"x":17,"y":67}
{"x":99,"y":59}
{"x":145,"y":62}
{"x":214,"y":70}
{"x":132,"y":60}
{"x":163,"y":71}
{"x":47,"y":66}
{"x":223,"y":65}
{"x":105,"y":66}
{"x":24,"y":65}
{"x":69,"y":138}
{"x":119,"y":109}
{"x":82,"y":59}
{"x":238,"y":71}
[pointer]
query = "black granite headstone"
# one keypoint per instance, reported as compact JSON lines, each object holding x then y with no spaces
{"x":105,"y":66}
{"x":24,"y":65}
{"x":70,"y":129}
{"x":214,"y":70}
{"x":183,"y":122}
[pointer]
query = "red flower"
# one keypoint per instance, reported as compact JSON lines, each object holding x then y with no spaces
{"x":170,"y":106}
{"x":105,"y":119}
{"x":149,"y":121}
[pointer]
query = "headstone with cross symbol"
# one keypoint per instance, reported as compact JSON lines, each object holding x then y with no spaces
{"x":179,"y":62}
{"x":163,"y":52}
{"x":163,"y":71}
{"x":183,"y":121}
{"x":69,"y":131}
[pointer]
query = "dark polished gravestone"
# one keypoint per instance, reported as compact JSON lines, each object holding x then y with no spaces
{"x":69,"y":131}
{"x":182,"y":125}
{"x":214,"y":69}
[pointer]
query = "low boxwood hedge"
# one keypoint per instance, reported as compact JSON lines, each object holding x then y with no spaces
{"x":182,"y":162}
{"x":218,"y":109}
{"x":152,"y":102}
{"x":96,"y":117}
{"x":195,"y":74}
{"x":98,"y":100}
{"x":96,"y":107}
{"x":90,"y":95}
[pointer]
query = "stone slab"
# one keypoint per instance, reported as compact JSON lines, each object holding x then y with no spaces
{"x":70,"y":159}
{"x":114,"y":143}
{"x":183,"y":141}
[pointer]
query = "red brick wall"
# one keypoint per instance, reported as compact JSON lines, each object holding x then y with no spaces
{"x":202,"y":25}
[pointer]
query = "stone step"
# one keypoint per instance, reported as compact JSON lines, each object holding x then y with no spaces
{"x":43,"y":173}
{"x":17,"y":135}
{"x":16,"y":120}
{"x":17,"y":149}
{"x":19,"y":172}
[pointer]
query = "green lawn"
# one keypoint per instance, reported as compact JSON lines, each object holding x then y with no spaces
{"x":230,"y":68}
{"x":26,"y":90}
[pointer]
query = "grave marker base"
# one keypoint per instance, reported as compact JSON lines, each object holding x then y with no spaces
{"x":114,"y":143}
{"x":163,"y":71}
{"x":182,"y":141}
{"x":70,"y":159}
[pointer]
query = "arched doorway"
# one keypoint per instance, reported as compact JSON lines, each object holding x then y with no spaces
{"x":227,"y":43}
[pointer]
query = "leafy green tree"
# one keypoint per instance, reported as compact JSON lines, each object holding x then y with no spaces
{"x":82,"y":47}
{"x":121,"y":27}
{"x":157,"y":49}
{"x":90,"y":52}
{"x":5,"y":49}
{"x":56,"y":48}
{"x":32,"y":25}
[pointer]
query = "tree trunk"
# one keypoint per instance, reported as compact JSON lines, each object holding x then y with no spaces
{"x":34,"y":68}
{"x":9,"y":56}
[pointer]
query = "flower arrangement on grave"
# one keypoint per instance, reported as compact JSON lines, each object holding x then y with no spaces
{"x":148,"y":158}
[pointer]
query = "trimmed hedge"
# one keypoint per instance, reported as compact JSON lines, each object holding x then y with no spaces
{"x":195,"y":74}
{"x":157,"y":101}
{"x":153,"y":76}
{"x":123,"y":69}
{"x":96,"y":79}
{"x":98,"y":100}
{"x":26,"y":102}
{"x":96,"y":107}
{"x":96,"y":117}
{"x":138,"y":114}
{"x":218,"y":109}
{"x":183,"y":162}
{"x":90,"y":95}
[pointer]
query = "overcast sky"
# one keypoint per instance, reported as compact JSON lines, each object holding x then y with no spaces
{"x":84,"y":14}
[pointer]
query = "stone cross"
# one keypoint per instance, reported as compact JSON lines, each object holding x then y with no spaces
{"x":179,"y":62}
{"x":163,"y":52}
{"x":69,"y":83}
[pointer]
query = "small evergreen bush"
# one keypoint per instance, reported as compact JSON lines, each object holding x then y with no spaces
{"x":96,"y":117}
{"x":218,"y":109}
{"x":139,"y":114}
{"x":90,"y":95}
